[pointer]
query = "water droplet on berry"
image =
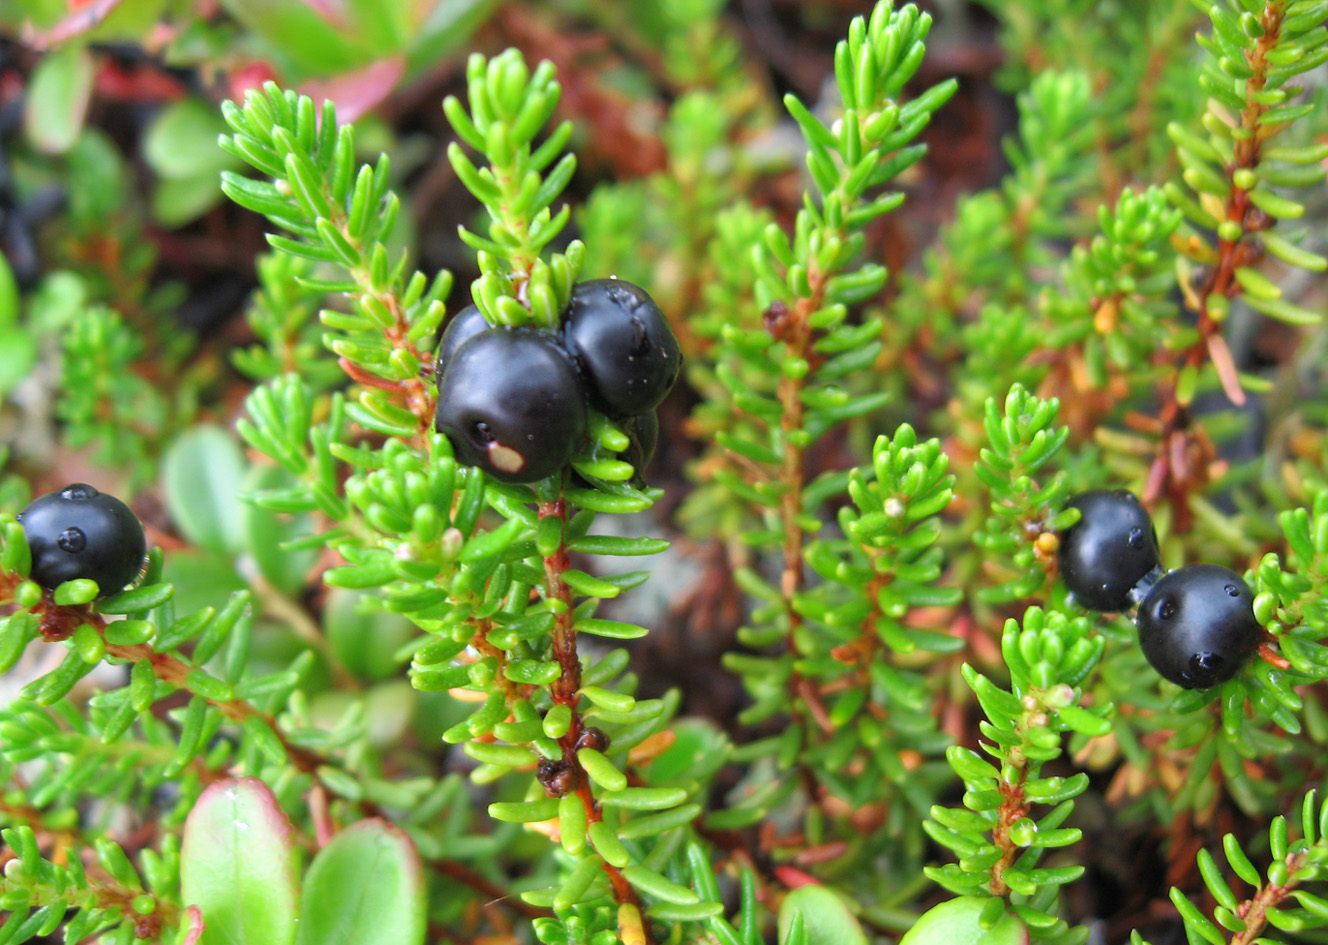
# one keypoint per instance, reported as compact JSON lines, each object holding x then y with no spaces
{"x":79,"y":490}
{"x":1166,"y":609}
{"x":72,"y":540}
{"x":1232,"y":590}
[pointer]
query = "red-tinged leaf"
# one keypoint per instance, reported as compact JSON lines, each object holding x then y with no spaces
{"x":443,"y":28}
{"x":193,"y":926}
{"x":383,"y":24}
{"x":1226,"y":369}
{"x":238,"y":866}
{"x":366,"y":887}
{"x":299,"y":37}
{"x":81,"y":20}
{"x":358,"y":92}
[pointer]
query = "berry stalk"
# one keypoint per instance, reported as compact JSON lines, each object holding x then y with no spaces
{"x":567,"y":774}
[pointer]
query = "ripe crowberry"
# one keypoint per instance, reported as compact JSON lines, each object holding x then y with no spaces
{"x":1109,"y":550}
{"x":79,"y":533}
{"x":511,"y":402}
{"x":623,"y":344}
{"x":462,"y":326}
{"x":1197,"y":625}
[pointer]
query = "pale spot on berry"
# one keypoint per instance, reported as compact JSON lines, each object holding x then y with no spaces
{"x":505,"y":459}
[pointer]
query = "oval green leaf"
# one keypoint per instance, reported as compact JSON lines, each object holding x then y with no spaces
{"x":201,"y":476}
{"x":238,"y":865}
{"x":366,"y":887}
{"x":264,"y":531}
{"x":57,"y":99}
{"x":825,"y":917}
{"x":182,"y":142}
{"x":959,"y":920}
{"x":700,"y":748}
{"x":364,"y":639}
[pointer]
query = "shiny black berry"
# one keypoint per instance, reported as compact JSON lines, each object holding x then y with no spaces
{"x":1109,"y":550}
{"x":463,"y":326}
{"x":511,"y":402}
{"x":1197,"y":626}
{"x":79,"y":533}
{"x":623,"y":344}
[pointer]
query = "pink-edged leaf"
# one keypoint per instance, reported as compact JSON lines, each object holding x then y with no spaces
{"x":1226,"y":369}
{"x":384,"y":24}
{"x":334,"y":11}
{"x":366,"y":887}
{"x":81,"y":20}
{"x":193,"y":926}
{"x":442,"y":28}
{"x":297,"y":35}
{"x":356,"y":93}
{"x":239,"y":866}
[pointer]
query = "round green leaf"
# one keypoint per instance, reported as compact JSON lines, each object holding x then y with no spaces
{"x":58,"y":299}
{"x":238,"y":865}
{"x":177,"y":201}
{"x":201,"y":476}
{"x":364,"y":638}
{"x":958,"y":920}
{"x":57,"y":99}
{"x":18,"y":355}
{"x":96,"y":178}
{"x":388,"y":709}
{"x":825,"y":917}
{"x":699,"y":749}
{"x":201,"y":579}
{"x":366,"y":887}
{"x":182,"y":142}
{"x":264,"y":531}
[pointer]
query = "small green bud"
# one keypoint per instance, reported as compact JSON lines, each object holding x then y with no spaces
{"x":28,"y":594}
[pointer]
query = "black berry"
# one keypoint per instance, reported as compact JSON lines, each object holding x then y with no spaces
{"x":463,"y":326}
{"x":511,"y":402}
{"x":623,"y":344}
{"x":80,"y":533}
{"x":1109,"y":550}
{"x":1197,"y":626}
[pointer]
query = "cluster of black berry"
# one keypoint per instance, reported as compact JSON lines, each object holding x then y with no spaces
{"x":1196,"y":624}
{"x":79,"y":533}
{"x":513,"y":401}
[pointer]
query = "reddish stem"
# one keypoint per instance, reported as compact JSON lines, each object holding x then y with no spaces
{"x":565,"y":691}
{"x":1174,"y":472}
